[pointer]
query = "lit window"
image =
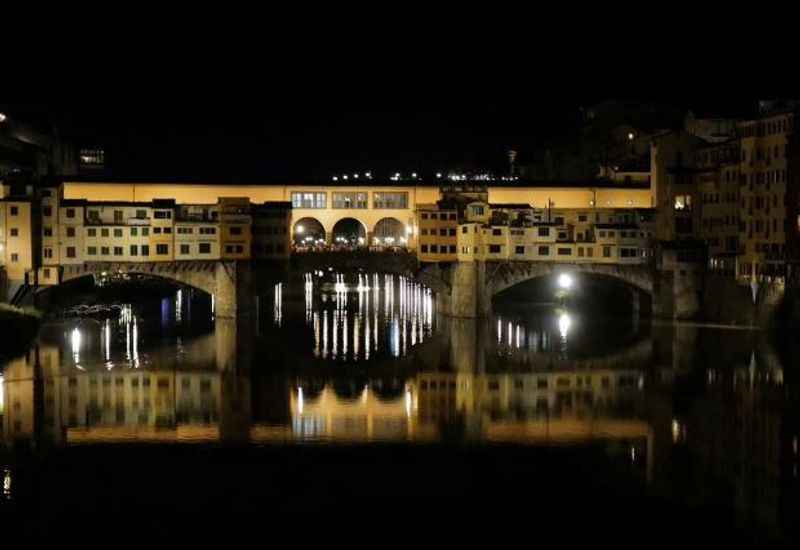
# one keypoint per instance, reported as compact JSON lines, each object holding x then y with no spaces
{"x":683,"y":202}
{"x":385,"y":200}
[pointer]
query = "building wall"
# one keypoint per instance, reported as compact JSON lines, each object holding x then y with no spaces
{"x":235,"y":228}
{"x":577,"y":197}
{"x":718,"y":190}
{"x":190,"y":235}
{"x":765,"y":214}
{"x":71,"y":234}
{"x":209,"y":194}
{"x":437,"y":234}
{"x":271,"y":232}
{"x":18,"y":241}
{"x":51,"y":252}
{"x":568,"y":235}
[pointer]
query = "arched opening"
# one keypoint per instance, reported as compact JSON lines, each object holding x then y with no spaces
{"x":570,"y":313}
{"x":602,"y":295}
{"x":388,"y":390}
{"x":350,"y":389}
{"x":166,"y":303}
{"x":349,"y":234}
{"x":391,"y":233}
{"x":308,"y":234}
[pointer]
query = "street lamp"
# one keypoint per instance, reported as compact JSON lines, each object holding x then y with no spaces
{"x":3,"y":117}
{"x":565,"y":281}
{"x":300,"y":229}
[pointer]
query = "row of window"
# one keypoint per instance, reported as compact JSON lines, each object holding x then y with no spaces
{"x":760,"y":202}
{"x":350,"y":200}
{"x":436,"y":249}
{"x":442,"y":232}
{"x":582,"y":252}
{"x":135,"y":250}
{"x":767,"y":128}
{"x":761,"y":225}
{"x":545,"y":232}
{"x":143,"y":231}
{"x":541,"y":383}
{"x":162,"y":249}
{"x":714,"y":198}
{"x":441,"y":216}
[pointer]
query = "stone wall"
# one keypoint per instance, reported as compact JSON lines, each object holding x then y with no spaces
{"x":729,"y":302}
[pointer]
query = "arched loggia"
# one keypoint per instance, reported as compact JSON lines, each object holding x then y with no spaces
{"x":350,"y":233}
{"x":390,"y":232}
{"x":308,"y":233}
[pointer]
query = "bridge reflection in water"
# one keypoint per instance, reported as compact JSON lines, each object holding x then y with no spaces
{"x":94,"y":383}
{"x":378,"y":366}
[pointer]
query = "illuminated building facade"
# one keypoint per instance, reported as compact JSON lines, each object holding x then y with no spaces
{"x":85,"y":220}
{"x":520,"y":232}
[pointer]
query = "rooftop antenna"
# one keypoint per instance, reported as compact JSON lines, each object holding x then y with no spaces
{"x":512,"y":162}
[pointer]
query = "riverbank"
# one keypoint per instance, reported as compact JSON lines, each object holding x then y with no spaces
{"x":18,"y":327}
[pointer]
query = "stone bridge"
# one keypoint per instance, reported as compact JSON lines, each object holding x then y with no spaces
{"x":230,"y":283}
{"x":466,"y":289}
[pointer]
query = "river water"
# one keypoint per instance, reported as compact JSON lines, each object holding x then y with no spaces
{"x":704,"y":418}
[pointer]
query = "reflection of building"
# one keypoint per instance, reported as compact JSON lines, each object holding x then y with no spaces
{"x":741,"y":437}
{"x":122,"y":404}
{"x":530,"y":408}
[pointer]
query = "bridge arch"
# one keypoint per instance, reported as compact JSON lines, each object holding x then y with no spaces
{"x":349,"y":231}
{"x":501,"y":276}
{"x":308,"y":231}
{"x":225,"y":281}
{"x":471,"y":286}
{"x":390,"y":231}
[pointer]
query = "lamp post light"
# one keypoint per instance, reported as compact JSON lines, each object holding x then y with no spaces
{"x":3,"y":117}
{"x":565,"y":281}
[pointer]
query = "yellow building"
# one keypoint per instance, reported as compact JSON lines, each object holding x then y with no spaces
{"x":236,"y":239}
{"x":437,"y":225}
{"x":197,"y":232}
{"x":768,"y":210}
{"x":371,"y":205}
{"x":18,"y":236}
{"x":517,"y":232}
{"x":53,"y":228}
{"x":717,"y":182}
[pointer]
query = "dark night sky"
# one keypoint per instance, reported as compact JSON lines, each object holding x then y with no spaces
{"x":305,"y":137}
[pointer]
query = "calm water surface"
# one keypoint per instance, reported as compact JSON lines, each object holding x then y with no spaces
{"x":693,"y":414}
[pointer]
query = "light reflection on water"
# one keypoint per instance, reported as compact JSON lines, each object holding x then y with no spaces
{"x":379,"y":366}
{"x":361,"y":314}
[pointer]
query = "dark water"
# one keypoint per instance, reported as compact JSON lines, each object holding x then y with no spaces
{"x":369,"y":393}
